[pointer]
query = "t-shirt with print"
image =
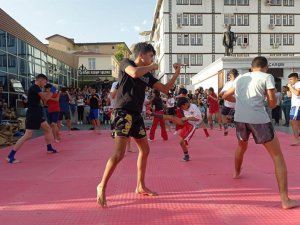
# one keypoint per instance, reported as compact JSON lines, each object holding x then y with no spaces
{"x":295,"y":98}
{"x":226,"y":87}
{"x":193,"y":111}
{"x":250,"y":94}
{"x":34,"y":100}
{"x":131,"y":91}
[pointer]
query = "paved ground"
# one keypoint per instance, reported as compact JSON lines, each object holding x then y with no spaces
{"x":60,"y":189}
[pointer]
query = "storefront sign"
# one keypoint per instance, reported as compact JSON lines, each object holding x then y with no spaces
{"x":98,"y":72}
{"x":276,"y":64}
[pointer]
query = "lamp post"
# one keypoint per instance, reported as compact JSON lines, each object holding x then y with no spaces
{"x":82,"y":69}
{"x":184,"y":66}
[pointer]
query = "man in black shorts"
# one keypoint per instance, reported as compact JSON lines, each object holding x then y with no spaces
{"x":134,"y":77}
{"x":34,"y":117}
{"x":229,"y":107}
{"x":250,"y":90}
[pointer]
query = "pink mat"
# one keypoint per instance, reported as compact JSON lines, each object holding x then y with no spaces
{"x":60,"y":189}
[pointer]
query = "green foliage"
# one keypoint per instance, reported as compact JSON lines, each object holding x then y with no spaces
{"x":120,"y":52}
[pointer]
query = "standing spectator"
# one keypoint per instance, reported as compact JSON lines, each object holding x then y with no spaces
{"x":170,"y":103}
{"x":94,"y":102}
{"x":276,"y":110}
{"x":228,"y":108}
{"x":157,"y":107}
{"x":212,"y":99}
{"x":53,"y":111}
{"x":80,"y":108}
{"x":64,"y":106}
{"x":286,"y":105}
{"x":294,"y":92}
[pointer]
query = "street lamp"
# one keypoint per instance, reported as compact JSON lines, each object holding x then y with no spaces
{"x":82,"y":69}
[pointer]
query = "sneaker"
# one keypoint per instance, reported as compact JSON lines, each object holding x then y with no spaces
{"x":186,"y":158}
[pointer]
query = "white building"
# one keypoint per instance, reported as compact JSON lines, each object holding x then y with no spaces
{"x":216,"y":74}
{"x":191,"y":31}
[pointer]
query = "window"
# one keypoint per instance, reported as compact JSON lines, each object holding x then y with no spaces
{"x":2,"y":40}
{"x":179,"y":58}
{"x":186,"y":59}
{"x":186,"y":39}
{"x":196,"y":39}
{"x":193,"y":19}
{"x":276,"y":2}
{"x":242,"y":2}
{"x":284,"y":20}
{"x":291,"y":20}
{"x":196,"y":59}
{"x":229,"y":2}
{"x":182,"y":2}
{"x":196,"y":2}
{"x":179,"y":19}
{"x":185,"y":21}
{"x":288,"y":39}
{"x":196,"y":20}
{"x":92,"y":63}
{"x":278,"y":20}
{"x":182,"y":39}
{"x":275,"y":38}
{"x":288,"y":2}
{"x":242,"y":39}
{"x":199,"y":19}
{"x":229,"y":19}
{"x":179,"y":39}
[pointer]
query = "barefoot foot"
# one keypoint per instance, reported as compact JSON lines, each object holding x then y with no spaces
{"x":289,"y":204}
{"x":145,"y":191}
{"x":101,"y":198}
{"x":236,"y":174}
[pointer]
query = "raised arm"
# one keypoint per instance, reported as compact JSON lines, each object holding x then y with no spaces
{"x":166,"y":87}
{"x":136,"y":72}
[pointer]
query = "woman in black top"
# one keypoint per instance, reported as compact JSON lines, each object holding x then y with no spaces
{"x":157,"y":107}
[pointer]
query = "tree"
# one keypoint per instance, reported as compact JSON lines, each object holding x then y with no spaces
{"x":120,"y":52}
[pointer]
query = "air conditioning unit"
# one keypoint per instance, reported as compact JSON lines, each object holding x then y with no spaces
{"x":271,"y":26}
{"x":275,"y":45}
{"x":268,"y":2}
{"x":244,"y":45}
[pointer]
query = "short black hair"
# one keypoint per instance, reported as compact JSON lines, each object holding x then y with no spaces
{"x":211,"y":89}
{"x":293,"y":75}
{"x":41,"y":76}
{"x":259,"y":62}
{"x":181,"y":101}
{"x":48,"y":86}
{"x":143,"y":47}
{"x":234,"y":72}
{"x":183,"y":91}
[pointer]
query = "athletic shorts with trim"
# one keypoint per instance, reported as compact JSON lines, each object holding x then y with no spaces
{"x":66,"y":115}
{"x":226,"y":111}
{"x":128,"y":124}
{"x":94,"y":114}
{"x":34,"y":118}
{"x":187,"y":131}
{"x":53,"y":117}
{"x":262,"y":133}
{"x":295,"y":114}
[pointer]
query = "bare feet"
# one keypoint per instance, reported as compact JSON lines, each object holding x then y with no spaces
{"x":289,"y":204}
{"x":236,"y":174}
{"x":131,"y":150}
{"x":145,"y":191}
{"x":295,"y":142}
{"x":101,"y":198}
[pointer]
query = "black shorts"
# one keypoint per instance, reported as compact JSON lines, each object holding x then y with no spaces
{"x":53,"y":117}
{"x":226,"y":111}
{"x":66,"y":115}
{"x":34,"y":118}
{"x":171,"y":111}
{"x":127,"y":124}
{"x":262,"y":133}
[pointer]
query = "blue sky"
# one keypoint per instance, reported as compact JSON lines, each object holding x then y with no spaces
{"x":83,"y":20}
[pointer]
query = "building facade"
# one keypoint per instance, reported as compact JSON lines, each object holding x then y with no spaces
{"x":23,"y":56}
{"x":191,"y":32}
{"x":215,"y":75}
{"x":101,"y":65}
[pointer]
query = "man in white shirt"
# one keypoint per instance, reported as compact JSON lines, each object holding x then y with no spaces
{"x":251,"y":117}
{"x":294,"y":92}
{"x":228,"y":108}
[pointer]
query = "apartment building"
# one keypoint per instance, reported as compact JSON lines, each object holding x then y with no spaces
{"x":191,"y":32}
